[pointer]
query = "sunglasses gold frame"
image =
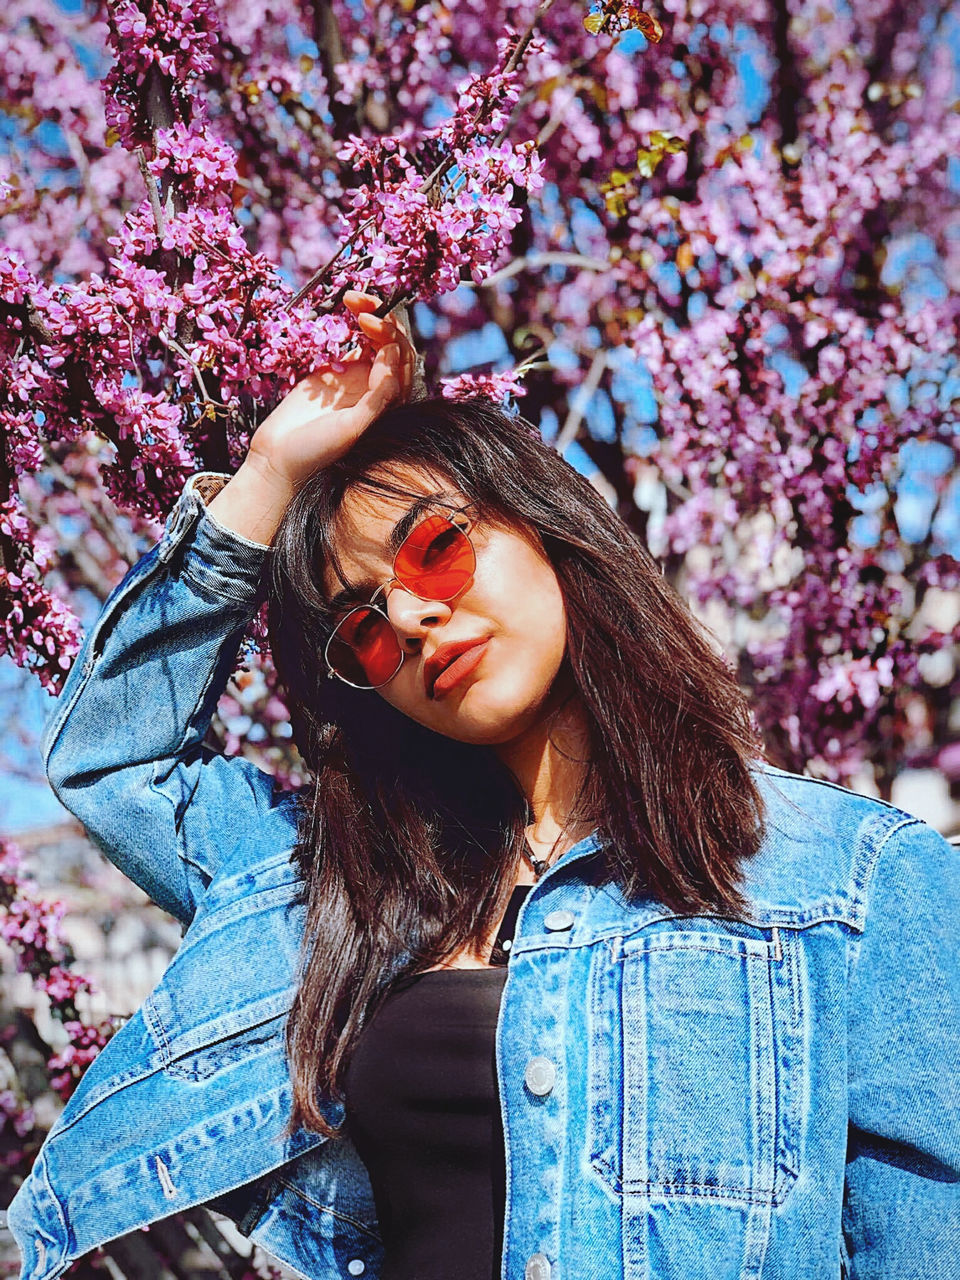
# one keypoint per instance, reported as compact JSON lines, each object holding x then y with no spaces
{"x":465,"y":528}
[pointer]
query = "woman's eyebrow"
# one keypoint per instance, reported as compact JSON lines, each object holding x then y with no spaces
{"x":362,"y":591}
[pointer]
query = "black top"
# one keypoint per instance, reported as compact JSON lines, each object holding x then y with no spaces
{"x":423,"y":1110}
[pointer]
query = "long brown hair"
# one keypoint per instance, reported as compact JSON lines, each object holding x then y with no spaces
{"x":409,"y":842}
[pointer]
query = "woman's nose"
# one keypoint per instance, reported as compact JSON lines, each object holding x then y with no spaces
{"x":411,"y":617}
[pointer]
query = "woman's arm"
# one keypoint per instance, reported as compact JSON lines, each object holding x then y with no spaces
{"x":123,"y":748}
{"x":902,"y":1203}
{"x":252,"y":504}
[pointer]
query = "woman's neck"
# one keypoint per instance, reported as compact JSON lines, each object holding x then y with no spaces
{"x":549,"y":761}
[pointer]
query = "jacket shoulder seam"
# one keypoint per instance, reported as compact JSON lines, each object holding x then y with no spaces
{"x":866,"y":865}
{"x":845,"y":900}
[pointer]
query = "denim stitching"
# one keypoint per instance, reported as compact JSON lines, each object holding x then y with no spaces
{"x":334,"y":1213}
{"x":166,"y":1182}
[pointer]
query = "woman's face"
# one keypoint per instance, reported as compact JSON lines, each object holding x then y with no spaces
{"x":513,"y":602}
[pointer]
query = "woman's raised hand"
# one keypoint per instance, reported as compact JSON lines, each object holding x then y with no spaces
{"x":325,"y":413}
{"x":315,"y":423}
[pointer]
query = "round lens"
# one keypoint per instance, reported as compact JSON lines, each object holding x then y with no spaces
{"x":364,"y":649}
{"x":436,"y":560}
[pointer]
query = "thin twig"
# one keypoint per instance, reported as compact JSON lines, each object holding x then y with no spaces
{"x":521,"y":48}
{"x":153,"y":191}
{"x":558,"y":116}
{"x":110,"y":529}
{"x":568,"y":432}
{"x":172,"y":345}
{"x":529,"y":95}
{"x":319,"y":276}
{"x":532,"y":261}
{"x":81,"y":160}
{"x":512,"y":64}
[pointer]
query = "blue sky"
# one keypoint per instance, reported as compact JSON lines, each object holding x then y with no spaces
{"x":22,"y":805}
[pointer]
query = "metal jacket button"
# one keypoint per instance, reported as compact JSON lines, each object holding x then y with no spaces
{"x":557,"y":920}
{"x":539,"y":1077}
{"x":537,"y":1268}
{"x":356,"y":1266}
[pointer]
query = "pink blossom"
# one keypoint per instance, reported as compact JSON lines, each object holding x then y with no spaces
{"x":496,"y":386}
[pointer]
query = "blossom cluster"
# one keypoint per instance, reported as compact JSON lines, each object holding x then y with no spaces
{"x":172,"y":38}
{"x":417,"y":243}
{"x":785,"y":404}
{"x":37,"y":628}
{"x":201,"y":164}
{"x":417,"y":233}
{"x":608,"y":201}
{"x":484,"y":102}
{"x":495,"y":386}
{"x":30,"y":927}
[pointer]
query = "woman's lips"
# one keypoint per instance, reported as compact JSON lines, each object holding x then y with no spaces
{"x":458,"y":669}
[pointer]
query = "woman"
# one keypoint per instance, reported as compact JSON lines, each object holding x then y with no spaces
{"x":548,"y":974}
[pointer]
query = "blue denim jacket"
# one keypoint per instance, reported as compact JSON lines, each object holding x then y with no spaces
{"x":711,"y":1099}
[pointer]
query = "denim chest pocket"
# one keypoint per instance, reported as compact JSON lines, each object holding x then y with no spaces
{"x":695,"y":1057}
{"x":214,"y":1049}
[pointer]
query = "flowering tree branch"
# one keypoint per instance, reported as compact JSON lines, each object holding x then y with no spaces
{"x":718,"y":280}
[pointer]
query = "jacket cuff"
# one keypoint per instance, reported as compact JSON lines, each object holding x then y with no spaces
{"x":208,"y":484}
{"x":214,"y":556}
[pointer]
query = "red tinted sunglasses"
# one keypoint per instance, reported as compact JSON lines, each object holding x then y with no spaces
{"x":435,"y":561}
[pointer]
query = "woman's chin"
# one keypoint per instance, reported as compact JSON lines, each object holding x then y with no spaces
{"x":484,"y":716}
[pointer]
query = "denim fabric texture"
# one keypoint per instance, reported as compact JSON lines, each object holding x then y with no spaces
{"x":712,"y":1100}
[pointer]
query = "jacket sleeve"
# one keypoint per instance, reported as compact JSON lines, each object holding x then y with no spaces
{"x":902,"y":1200}
{"x":123,"y":748}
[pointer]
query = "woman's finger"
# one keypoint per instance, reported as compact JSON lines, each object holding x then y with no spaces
{"x":372,"y":324}
{"x":388,"y":361}
{"x":379,"y":329}
{"x":359,"y":302}
{"x":383,"y":331}
{"x":412,"y":358}
{"x":407,"y":359}
{"x":409,"y":363}
{"x":383,"y":383}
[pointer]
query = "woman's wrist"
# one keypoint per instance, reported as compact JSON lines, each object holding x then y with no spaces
{"x":252,"y":502}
